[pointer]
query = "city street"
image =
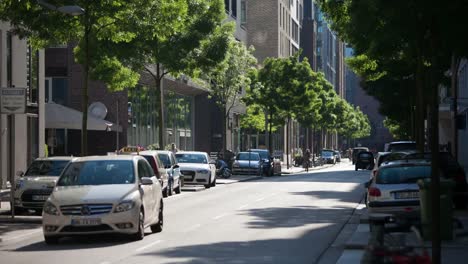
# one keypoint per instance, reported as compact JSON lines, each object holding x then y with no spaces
{"x":286,"y":219}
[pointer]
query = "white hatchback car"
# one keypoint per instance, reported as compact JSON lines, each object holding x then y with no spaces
{"x":35,"y":185}
{"x":197,"y":168}
{"x":104,"y":194}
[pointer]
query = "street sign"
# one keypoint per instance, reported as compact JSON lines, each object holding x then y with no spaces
{"x":13,"y":100}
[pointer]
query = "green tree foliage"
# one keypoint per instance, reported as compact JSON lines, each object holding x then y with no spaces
{"x":254,"y":119}
{"x":103,"y":32}
{"x":198,"y":43}
{"x":229,"y":78}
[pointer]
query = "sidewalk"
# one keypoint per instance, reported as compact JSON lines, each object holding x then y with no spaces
{"x":455,"y":251}
{"x":294,"y":170}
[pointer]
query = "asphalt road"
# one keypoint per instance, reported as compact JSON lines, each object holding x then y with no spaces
{"x":286,"y":219}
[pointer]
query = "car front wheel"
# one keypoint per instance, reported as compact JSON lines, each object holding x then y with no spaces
{"x":207,"y":186}
{"x":158,"y":227}
{"x":177,"y":190}
{"x":140,"y":234}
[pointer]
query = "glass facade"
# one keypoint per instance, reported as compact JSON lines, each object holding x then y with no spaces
{"x":143,"y":128}
{"x":178,"y":117}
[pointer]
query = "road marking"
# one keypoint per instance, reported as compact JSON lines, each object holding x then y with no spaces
{"x":260,"y":199}
{"x":21,"y":236}
{"x":219,"y":216}
{"x":148,"y":246}
{"x":243,"y":206}
{"x":105,"y":262}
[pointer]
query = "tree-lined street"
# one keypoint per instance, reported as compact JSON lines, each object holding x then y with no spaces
{"x":286,"y":219}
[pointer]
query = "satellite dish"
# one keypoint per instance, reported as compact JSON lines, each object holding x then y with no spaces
{"x":98,"y":110}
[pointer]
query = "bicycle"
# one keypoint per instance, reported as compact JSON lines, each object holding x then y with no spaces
{"x":387,"y":243}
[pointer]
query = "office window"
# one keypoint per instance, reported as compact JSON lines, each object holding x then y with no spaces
{"x":56,"y":90}
{"x":243,"y":12}
{"x":226,"y":5}
{"x":234,"y":8}
{"x":9,"y":57}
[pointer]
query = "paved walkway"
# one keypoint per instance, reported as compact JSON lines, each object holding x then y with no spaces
{"x":454,"y":251}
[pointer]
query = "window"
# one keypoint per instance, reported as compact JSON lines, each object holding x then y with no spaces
{"x":9,"y":57}
{"x":144,"y":170}
{"x":56,"y":90}
{"x":234,"y":8}
{"x":243,"y":12}
{"x":33,"y":74}
{"x":226,"y":5}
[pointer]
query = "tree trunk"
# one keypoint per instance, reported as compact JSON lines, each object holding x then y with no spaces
{"x":435,"y":180}
{"x":223,"y":131}
{"x":270,"y":140}
{"x":160,"y":100}
{"x":454,"y":83}
{"x":84,"y":107}
{"x":287,"y":144}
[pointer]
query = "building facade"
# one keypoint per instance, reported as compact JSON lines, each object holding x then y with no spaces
{"x":22,"y":137}
{"x":274,"y":30}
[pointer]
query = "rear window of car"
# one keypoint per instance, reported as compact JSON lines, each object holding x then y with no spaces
{"x":245,"y":156}
{"x":403,"y":174}
{"x":46,"y":167}
{"x":152,"y":162}
{"x":98,"y":172}
{"x":165,"y":159}
{"x":401,"y":147}
{"x":365,"y":155}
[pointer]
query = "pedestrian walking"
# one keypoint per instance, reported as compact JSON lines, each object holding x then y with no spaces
{"x":173,"y":148}
{"x":307,"y":159}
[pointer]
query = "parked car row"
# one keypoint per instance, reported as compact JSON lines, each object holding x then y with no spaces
{"x":108,"y":194}
{"x":393,"y":186}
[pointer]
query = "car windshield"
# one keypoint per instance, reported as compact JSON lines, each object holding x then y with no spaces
{"x":46,"y":168}
{"x":245,"y":156}
{"x":165,"y":159}
{"x":402,"y":147}
{"x":327,"y":153}
{"x":263,"y":154}
{"x":191,"y":158}
{"x":365,"y":155}
{"x":99,"y":172}
{"x":403,"y":174}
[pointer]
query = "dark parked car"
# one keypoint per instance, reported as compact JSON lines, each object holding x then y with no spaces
{"x":451,"y":170}
{"x":356,"y":152}
{"x":364,"y":160}
{"x":328,"y":156}
{"x":267,"y":160}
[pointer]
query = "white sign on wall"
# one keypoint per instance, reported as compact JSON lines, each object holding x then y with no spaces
{"x":12,"y":100}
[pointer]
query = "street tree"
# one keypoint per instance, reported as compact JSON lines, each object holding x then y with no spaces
{"x":229,"y":78}
{"x":102,"y":33}
{"x":198,"y":45}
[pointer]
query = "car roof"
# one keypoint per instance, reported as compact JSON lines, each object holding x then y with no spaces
{"x":191,"y":152}
{"x":263,"y":150}
{"x":361,"y":148}
{"x":401,"y":142}
{"x":113,"y":157}
{"x":247,"y":152}
{"x":56,"y":158}
{"x":404,"y":162}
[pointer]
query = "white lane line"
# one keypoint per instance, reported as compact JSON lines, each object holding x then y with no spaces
{"x":260,"y":199}
{"x":219,"y":216}
{"x":148,"y":246}
{"x":243,"y":206}
{"x":105,"y":262}
{"x":21,"y":236}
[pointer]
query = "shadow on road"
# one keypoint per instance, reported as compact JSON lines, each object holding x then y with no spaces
{"x":288,"y":217}
{"x":347,"y":176}
{"x":78,"y":242}
{"x":301,"y":249}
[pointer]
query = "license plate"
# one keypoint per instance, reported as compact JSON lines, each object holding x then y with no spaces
{"x":88,"y":221}
{"x":40,"y":197}
{"x":407,"y":195}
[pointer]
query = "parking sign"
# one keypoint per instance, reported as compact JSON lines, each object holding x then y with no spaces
{"x":13,"y":100}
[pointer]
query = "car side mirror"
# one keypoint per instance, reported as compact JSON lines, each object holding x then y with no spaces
{"x":146,"y":181}
{"x":176,"y":166}
{"x":20,"y":173}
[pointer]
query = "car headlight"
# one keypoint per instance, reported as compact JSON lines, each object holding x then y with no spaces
{"x":203,"y":171}
{"x":50,"y":208}
{"x":124,"y":206}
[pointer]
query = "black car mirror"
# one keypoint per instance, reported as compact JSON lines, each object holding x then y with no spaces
{"x":20,"y":173}
{"x":367,"y":184}
{"x":176,"y":166}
